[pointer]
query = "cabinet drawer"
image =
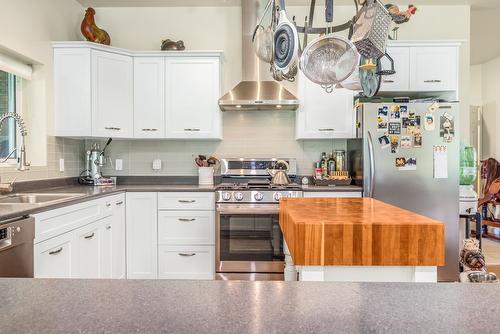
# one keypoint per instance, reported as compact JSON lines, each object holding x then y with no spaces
{"x":186,"y":201}
{"x":186,"y":262}
{"x":186,"y":227}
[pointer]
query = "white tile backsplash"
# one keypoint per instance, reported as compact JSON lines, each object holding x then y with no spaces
{"x":246,"y":134}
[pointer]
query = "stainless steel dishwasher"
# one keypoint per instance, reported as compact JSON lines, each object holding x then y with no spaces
{"x":16,"y":247}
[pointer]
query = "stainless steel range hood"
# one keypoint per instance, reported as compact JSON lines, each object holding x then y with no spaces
{"x":254,"y":93}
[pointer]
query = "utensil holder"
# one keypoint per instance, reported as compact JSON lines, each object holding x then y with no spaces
{"x":206,"y":176}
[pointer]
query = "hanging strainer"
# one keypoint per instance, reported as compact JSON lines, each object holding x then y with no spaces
{"x":262,"y":38}
{"x":371,"y":29}
{"x":329,"y":59}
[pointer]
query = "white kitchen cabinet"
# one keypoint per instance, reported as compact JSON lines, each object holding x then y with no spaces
{"x":332,"y":194}
{"x":191,"y":93}
{"x":186,"y":201}
{"x":323,"y":115}
{"x":187,"y":262}
{"x":53,"y":258}
{"x":186,"y":227}
{"x":434,"y":68}
{"x":87,"y":251}
{"x":142,"y":238}
{"x":149,"y":97}
{"x":399,"y":82}
{"x":112,"y":95}
{"x":113,"y":246}
{"x":72,"y":82}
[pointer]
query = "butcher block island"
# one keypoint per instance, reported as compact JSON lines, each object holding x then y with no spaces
{"x":359,"y":239}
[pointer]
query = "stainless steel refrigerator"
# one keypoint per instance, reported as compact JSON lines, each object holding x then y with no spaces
{"x":420,"y":174}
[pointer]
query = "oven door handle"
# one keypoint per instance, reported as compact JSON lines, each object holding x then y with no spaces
{"x":259,"y":210}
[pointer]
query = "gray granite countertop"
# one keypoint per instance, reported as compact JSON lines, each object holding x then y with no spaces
{"x":160,"y":306}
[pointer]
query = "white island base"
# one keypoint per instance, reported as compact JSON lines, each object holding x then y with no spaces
{"x":366,"y":274}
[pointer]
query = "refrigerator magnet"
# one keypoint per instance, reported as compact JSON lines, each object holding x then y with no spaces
{"x":395,"y":113}
{"x":406,"y":142}
{"x":394,"y":144}
{"x":384,"y":141}
{"x":403,"y":111}
{"x":429,"y":123}
{"x":433,"y":107}
{"x":382,"y":119}
{"x":447,"y":128}
{"x":411,"y":114}
{"x":400,"y":162}
{"x":417,"y":140}
{"x":405,"y":121}
{"x":410,"y":164}
{"x":394,"y":128}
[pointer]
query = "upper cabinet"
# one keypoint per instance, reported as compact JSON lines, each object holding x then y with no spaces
{"x":102,"y":91}
{"x":422,"y":67}
{"x":191,"y":92}
{"x":112,"y":95}
{"x":323,"y":115}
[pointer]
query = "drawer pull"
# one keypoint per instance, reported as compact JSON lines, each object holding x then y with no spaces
{"x":90,"y":236}
{"x":192,"y":130}
{"x":187,"y":219}
{"x":150,"y":130}
{"x":432,"y":81}
{"x":187,"y":201}
{"x":388,"y":81}
{"x":108,"y":227}
{"x":57,"y":251}
{"x":112,"y":128}
{"x":326,"y":129}
{"x":108,"y":204}
{"x":187,"y":254}
{"x":119,"y":203}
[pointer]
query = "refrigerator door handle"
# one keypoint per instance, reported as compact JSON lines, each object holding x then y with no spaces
{"x":372,"y":164}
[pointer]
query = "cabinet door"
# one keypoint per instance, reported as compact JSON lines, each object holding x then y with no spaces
{"x":192,"y":91}
{"x":187,"y":262}
{"x":142,"y":239}
{"x":149,"y":97}
{"x":53,"y":257}
{"x":433,"y":68}
{"x":119,"y":268}
{"x":322,"y":114}
{"x":399,"y":82}
{"x":87,"y":253}
{"x":106,"y":228}
{"x":72,"y":92}
{"x":112,"y":95}
{"x":186,"y":227}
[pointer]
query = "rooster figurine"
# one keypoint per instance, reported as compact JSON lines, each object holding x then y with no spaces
{"x":91,"y":31}
{"x":399,"y":16}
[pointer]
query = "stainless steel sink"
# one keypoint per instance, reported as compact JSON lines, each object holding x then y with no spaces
{"x":36,"y":198}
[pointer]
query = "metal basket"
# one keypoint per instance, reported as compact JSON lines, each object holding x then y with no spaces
{"x":371,"y":29}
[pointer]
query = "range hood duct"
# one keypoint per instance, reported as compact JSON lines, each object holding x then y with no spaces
{"x":253,"y":93}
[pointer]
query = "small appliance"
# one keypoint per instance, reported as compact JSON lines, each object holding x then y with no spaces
{"x":95,"y":160}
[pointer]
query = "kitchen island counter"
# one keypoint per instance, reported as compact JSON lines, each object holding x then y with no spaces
{"x":362,"y":232}
{"x":145,"y":306}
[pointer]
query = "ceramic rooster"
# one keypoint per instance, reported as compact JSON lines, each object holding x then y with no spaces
{"x":91,"y":31}
{"x":399,"y":16}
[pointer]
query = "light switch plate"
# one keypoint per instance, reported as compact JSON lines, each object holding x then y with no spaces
{"x":118,"y":164}
{"x":156,"y":164}
{"x":61,"y":165}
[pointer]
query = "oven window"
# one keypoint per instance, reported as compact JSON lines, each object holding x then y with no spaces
{"x":250,"y":238}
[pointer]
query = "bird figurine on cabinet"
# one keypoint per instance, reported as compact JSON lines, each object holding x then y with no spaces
{"x":91,"y":31}
{"x":399,"y":16}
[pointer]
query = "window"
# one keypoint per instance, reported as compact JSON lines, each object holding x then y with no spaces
{"x":8,"y":98}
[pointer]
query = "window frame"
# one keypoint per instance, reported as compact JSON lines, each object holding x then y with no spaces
{"x":17,"y":108}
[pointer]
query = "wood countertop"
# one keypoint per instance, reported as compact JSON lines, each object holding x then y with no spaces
{"x":359,"y":232}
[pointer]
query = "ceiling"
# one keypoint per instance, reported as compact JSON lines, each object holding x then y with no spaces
{"x":183,"y":3}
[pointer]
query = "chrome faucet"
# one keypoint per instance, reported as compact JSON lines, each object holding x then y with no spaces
{"x":22,"y":164}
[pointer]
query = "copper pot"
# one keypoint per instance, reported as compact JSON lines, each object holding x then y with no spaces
{"x":169,"y":45}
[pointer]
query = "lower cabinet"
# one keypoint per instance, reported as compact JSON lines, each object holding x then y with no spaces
{"x":186,"y":262}
{"x":95,"y":250}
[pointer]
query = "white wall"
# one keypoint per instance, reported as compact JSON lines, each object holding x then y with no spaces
{"x":476,"y":85}
{"x":28,"y":27}
{"x":490,"y":75}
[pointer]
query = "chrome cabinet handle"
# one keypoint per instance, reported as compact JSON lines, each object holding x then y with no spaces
{"x":432,"y":81}
{"x":192,"y":130}
{"x":372,"y":164}
{"x":326,"y":129}
{"x":119,"y":203}
{"x":388,"y":81}
{"x":150,"y":130}
{"x":56,"y":251}
{"x":187,"y":254}
{"x":90,"y":236}
{"x":112,"y":128}
{"x":187,"y":219}
{"x":108,"y":204}
{"x":187,"y":201}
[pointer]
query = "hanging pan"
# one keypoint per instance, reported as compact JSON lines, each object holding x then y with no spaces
{"x":329,"y":59}
{"x":286,"y":44}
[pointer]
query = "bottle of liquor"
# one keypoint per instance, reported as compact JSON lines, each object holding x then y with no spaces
{"x":331,"y":164}
{"x":324,"y":164}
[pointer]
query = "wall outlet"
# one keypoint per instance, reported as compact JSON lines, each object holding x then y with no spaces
{"x":156,"y":164}
{"x":118,"y":164}
{"x":61,"y":165}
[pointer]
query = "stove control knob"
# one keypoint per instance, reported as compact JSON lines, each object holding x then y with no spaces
{"x":238,"y":197}
{"x":226,"y":196}
{"x":277,"y":196}
{"x":258,"y":197}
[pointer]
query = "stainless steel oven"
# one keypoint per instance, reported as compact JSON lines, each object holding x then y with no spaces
{"x":249,"y":242}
